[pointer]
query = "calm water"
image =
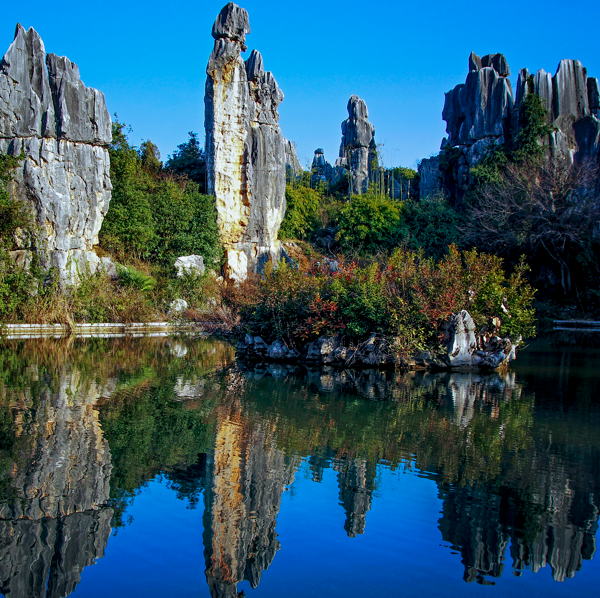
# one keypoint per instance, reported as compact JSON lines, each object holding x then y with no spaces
{"x":160,"y":467}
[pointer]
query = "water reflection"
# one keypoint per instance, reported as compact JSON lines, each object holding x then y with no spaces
{"x":83,"y":426}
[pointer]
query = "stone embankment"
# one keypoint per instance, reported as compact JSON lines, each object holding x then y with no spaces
{"x":462,"y":349}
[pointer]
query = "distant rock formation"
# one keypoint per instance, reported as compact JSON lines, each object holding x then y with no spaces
{"x":571,"y":99}
{"x":64,"y":129}
{"x":245,"y":149}
{"x":482,"y":113}
{"x":357,"y":150}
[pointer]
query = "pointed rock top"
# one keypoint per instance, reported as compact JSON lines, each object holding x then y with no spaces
{"x":357,"y":108}
{"x":255,"y":66}
{"x":232,"y":23}
{"x":496,"y":61}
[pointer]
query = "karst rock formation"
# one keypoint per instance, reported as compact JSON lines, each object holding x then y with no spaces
{"x":245,"y":149}
{"x":483,"y":112}
{"x":357,"y":150}
{"x":63,"y":128}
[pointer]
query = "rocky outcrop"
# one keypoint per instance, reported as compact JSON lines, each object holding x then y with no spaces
{"x":571,"y":100}
{"x":357,"y":150}
{"x":482,"y":113}
{"x":292,"y":164}
{"x":430,"y":183}
{"x":463,"y":349}
{"x":63,"y":128}
{"x":245,"y":150}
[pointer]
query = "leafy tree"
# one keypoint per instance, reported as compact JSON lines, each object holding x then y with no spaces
{"x":301,"y":216}
{"x":370,"y":223}
{"x":189,"y":160}
{"x":150,"y":156}
{"x":128,"y":227}
{"x":13,"y":214}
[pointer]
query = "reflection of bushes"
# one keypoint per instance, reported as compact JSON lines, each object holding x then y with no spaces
{"x":416,"y":428}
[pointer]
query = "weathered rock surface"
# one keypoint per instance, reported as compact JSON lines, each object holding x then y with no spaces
{"x":246,"y":151}
{"x":431,"y":178}
{"x":482,"y":113}
{"x":464,"y":349}
{"x":571,"y":100}
{"x":190,"y":264}
{"x":63,"y":128}
{"x":357,"y":149}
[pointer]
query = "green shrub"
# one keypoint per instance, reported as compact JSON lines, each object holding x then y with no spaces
{"x":302,"y":212}
{"x":406,"y":298}
{"x":370,"y":223}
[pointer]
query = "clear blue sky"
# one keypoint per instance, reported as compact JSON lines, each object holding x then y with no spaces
{"x":149,"y":59}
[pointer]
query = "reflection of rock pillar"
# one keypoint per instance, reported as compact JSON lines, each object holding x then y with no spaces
{"x":356,"y":479}
{"x":44,"y":558}
{"x":471,"y":524}
{"x":249,"y":475}
{"x":54,"y":525}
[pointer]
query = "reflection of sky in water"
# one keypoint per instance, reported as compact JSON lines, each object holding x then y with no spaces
{"x":401,"y":552}
{"x":512,"y":477}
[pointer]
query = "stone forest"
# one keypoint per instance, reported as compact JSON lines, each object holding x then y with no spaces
{"x":338,"y":391}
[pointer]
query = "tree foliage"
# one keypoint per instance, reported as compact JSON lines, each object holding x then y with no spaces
{"x":189,"y":160}
{"x":154,"y":214}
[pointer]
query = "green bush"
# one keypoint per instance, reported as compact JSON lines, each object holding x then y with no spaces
{"x":370,"y":223}
{"x":406,"y":298}
{"x":154,"y":215}
{"x":302,"y":212}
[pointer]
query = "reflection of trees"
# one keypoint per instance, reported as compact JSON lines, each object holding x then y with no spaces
{"x":506,"y":479}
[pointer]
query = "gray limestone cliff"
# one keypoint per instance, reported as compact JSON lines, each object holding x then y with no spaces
{"x":571,"y":100}
{"x":63,"y":128}
{"x":483,"y":112}
{"x":357,"y":149}
{"x":245,"y":149}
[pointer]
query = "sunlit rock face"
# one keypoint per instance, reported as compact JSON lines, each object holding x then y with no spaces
{"x":63,"y":128}
{"x":358,"y":145}
{"x":245,"y":149}
{"x":242,"y":500}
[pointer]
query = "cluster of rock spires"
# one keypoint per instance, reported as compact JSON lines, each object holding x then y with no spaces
{"x":245,"y":149}
{"x":357,"y":156}
{"x":483,"y":112}
{"x":63,"y":128}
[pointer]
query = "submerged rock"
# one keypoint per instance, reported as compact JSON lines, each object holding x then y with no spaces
{"x":63,"y":128}
{"x":245,"y":149}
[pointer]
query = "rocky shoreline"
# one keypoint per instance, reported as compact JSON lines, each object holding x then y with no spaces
{"x":461,"y":349}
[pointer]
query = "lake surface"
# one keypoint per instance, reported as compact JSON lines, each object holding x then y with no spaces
{"x":161,"y":467}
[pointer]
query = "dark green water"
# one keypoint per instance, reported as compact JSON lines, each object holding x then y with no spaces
{"x":160,"y":467}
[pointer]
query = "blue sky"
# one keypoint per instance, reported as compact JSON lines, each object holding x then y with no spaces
{"x":149,"y":59}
